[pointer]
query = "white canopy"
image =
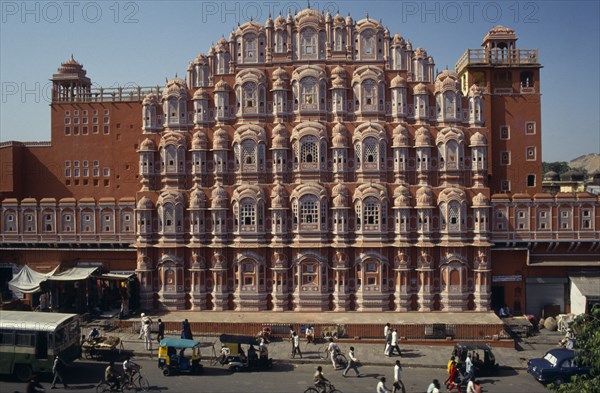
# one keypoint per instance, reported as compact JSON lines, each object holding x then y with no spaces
{"x":28,"y":280}
{"x":73,"y":274}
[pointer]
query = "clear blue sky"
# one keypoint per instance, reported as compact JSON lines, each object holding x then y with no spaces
{"x":144,"y":42}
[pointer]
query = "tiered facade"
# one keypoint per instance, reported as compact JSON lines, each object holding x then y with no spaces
{"x":312,"y":163}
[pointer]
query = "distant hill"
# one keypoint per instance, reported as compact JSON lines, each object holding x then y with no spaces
{"x":589,"y":162}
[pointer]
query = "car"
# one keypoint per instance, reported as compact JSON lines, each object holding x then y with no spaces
{"x":557,"y":366}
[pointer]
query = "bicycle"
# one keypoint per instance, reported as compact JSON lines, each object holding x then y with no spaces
{"x":137,"y":381}
{"x":329,"y":388}
{"x":106,"y":387}
{"x":340,"y":358}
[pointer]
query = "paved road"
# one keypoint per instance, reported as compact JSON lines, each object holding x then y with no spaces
{"x":284,"y":377}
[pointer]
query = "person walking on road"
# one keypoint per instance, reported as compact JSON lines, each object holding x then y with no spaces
{"x":453,"y":378}
{"x":296,"y":345}
{"x":469,"y":371}
{"x":398,"y":384}
{"x":434,"y":387}
{"x":352,"y":364}
{"x":57,"y":369}
{"x":161,"y":330}
{"x":147,"y":334}
{"x":394,"y":345}
{"x":386,"y":331}
{"x":388,"y":343}
{"x":186,"y":330}
{"x":143,"y":319}
{"x":381,"y":388}
{"x":333,"y":351}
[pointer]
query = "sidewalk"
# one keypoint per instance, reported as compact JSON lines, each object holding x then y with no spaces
{"x":369,"y":352}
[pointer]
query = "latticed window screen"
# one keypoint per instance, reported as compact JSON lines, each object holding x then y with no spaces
{"x":309,"y":211}
{"x":371,"y":152}
{"x":248,"y":152}
{"x":369,"y":93}
{"x":371,"y":213}
{"x":357,"y":152}
{"x":250,"y":47}
{"x":250,"y":95}
{"x":248,"y":213}
{"x":308,"y":89}
{"x":308,"y":150}
{"x":308,"y":42}
{"x":169,"y":218}
{"x":453,"y":217}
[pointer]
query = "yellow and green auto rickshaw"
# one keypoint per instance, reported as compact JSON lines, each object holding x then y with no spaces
{"x":173,"y":360}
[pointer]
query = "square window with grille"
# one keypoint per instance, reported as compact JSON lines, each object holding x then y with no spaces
{"x":371,"y":213}
{"x":309,"y":212}
{"x":505,"y":185}
{"x":531,"y":153}
{"x":248,"y":214}
{"x":505,"y":158}
{"x":504,"y":132}
{"x":371,"y":152}
{"x":248,"y":152}
{"x":309,"y":152}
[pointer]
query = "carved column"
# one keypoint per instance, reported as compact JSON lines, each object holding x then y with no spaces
{"x":341,"y":295}
{"x":220,"y":293}
{"x":425,"y":282}
{"x":482,"y":270}
{"x":402,"y":273}
{"x":280,"y":283}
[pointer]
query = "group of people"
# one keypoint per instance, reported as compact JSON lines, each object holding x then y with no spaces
{"x":454,"y":379}
{"x":146,"y":330}
{"x":391,"y":340}
{"x":322,"y":383}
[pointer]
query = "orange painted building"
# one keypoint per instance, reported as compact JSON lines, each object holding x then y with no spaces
{"x":310,"y":163}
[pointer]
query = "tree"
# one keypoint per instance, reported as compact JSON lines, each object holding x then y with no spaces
{"x":587,"y":330}
{"x":558,"y":167}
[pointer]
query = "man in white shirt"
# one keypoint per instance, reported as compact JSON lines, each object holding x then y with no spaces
{"x":352,"y":364}
{"x":469,"y":372}
{"x":434,"y":387}
{"x":333,"y":351}
{"x":398,"y":385}
{"x":394,"y":345}
{"x":381,"y":388}
{"x":386,"y":331}
{"x":473,"y":387}
{"x":296,"y":345}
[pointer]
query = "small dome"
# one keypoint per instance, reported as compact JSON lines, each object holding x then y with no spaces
{"x":221,"y":140}
{"x":475,"y":91}
{"x":280,"y":137}
{"x":201,"y":94}
{"x":478,"y":139}
{"x":269,"y":22}
{"x":221,"y":85}
{"x":175,"y":87}
{"x":551,"y":176}
{"x":201,"y":59}
{"x":447,"y":80}
{"x":409,"y":46}
{"x":278,"y":196}
{"x":338,"y":83}
{"x":348,"y":20}
{"x":309,"y":15}
{"x":338,"y":71}
{"x":421,"y":88}
{"x":424,"y":197}
{"x":279,"y":21}
{"x":280,"y":73}
{"x":397,"y":40}
{"x":218,"y":196}
{"x":147,"y":145}
{"x":71,"y":66}
{"x":338,"y":20}
{"x":341,"y":195}
{"x":150,"y":99}
{"x":398,"y":81}
{"x":400,"y":136}
{"x":401,"y":196}
{"x":420,"y":53}
{"x":572,"y":175}
{"x":480,"y":200}
{"x":280,"y":84}
{"x":200,"y":141}
{"x":339,"y":139}
{"x":197,"y":198}
{"x":423,"y":137}
{"x":144,"y":203}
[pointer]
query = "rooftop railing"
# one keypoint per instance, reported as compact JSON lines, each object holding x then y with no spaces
{"x":111,"y":94}
{"x":497,"y":56}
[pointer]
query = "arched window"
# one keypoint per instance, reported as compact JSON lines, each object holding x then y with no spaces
{"x":370,"y":152}
{"x":309,"y":93}
{"x":248,"y":214}
{"x":309,"y":211}
{"x":308,"y":43}
{"x":250,"y":48}
{"x":371,"y":213}
{"x":170,"y":159}
{"x":309,"y":151}
{"x":280,"y":41}
{"x":369,"y":95}
{"x":369,"y":45}
{"x":449,"y":104}
{"x":338,"y":39}
{"x":250,"y":97}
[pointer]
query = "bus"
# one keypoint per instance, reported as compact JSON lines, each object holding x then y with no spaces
{"x":29,"y":341}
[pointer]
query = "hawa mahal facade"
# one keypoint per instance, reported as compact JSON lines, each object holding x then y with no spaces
{"x":313,"y":163}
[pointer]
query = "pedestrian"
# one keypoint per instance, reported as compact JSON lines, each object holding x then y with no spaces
{"x":394,"y":345}
{"x":448,"y":368}
{"x":434,"y":387}
{"x":161,"y":330}
{"x":124,"y":301}
{"x":469,"y":371}
{"x":352,"y":364}
{"x":388,"y":343}
{"x":473,"y":386}
{"x":381,"y":388}
{"x":58,"y":367}
{"x":296,"y":345}
{"x":453,"y":379}
{"x":143,"y":319}
{"x":310,"y":335}
{"x":292,"y":331}
{"x":333,"y":351}
{"x":147,"y":332}
{"x":386,"y":330}
{"x":398,"y":384}
{"x":186,"y":330}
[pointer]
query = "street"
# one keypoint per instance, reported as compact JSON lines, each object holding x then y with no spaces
{"x":284,"y":377}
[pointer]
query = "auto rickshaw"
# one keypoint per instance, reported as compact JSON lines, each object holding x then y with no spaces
{"x":484,"y":361}
{"x":172,"y":359}
{"x":256,"y":358}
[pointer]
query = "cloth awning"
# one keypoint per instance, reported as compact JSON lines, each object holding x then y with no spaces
{"x":73,"y":274}
{"x":28,"y":280}
{"x":114,"y":276}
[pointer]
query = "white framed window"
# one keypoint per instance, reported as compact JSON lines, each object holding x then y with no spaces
{"x":106,"y":172}
{"x":530,"y":128}
{"x":309,"y":43}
